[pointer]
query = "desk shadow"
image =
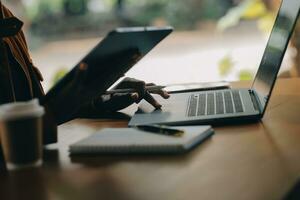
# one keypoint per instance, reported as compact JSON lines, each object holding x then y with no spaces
{"x":24,"y":184}
{"x":51,"y":158}
{"x":237,"y":122}
{"x":113,"y":115}
{"x":103,"y":160}
{"x":2,"y":161}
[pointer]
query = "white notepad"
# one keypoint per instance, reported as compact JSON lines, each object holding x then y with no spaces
{"x":131,"y":140}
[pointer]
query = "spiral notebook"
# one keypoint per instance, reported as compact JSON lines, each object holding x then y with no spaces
{"x":131,"y":140}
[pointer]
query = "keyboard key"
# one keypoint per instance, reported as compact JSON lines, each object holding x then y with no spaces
{"x":237,"y":101}
{"x":219,"y":103}
{"x":201,"y":104}
{"x":228,"y":102}
{"x":210,"y":104}
{"x":192,"y":106}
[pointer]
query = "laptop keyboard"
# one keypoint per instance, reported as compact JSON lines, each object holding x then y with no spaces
{"x":219,"y":102}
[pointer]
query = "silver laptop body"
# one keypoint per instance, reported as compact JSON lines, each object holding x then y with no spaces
{"x":229,"y":105}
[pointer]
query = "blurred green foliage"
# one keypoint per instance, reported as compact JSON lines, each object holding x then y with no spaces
{"x":246,"y":10}
{"x":180,"y":14}
{"x":59,"y":74}
{"x":36,"y":8}
{"x":245,"y":75}
{"x":226,"y":65}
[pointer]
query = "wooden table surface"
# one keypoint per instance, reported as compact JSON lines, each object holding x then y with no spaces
{"x":254,"y":161}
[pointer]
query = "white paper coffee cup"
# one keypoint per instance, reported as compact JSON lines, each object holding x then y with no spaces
{"x":21,"y":133}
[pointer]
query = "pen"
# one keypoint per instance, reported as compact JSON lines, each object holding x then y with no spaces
{"x":159,"y":129}
{"x":148,"y":88}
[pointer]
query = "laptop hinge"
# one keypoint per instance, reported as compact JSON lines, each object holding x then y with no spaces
{"x":255,"y":100}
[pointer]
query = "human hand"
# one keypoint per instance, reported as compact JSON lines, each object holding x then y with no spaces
{"x":118,"y":101}
{"x":142,"y":93}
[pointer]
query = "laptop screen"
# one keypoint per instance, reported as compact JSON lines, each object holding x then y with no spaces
{"x":275,"y":50}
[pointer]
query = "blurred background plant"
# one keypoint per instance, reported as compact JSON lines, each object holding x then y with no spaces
{"x":264,"y":12}
{"x":94,"y":15}
{"x":212,"y":33}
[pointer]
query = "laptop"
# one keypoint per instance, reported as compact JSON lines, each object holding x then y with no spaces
{"x":229,"y":105}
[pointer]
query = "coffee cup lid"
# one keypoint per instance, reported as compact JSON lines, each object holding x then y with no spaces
{"x":17,"y":110}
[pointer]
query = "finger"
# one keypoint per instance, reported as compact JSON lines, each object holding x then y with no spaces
{"x":140,"y":87}
{"x":137,"y":85}
{"x":120,"y":101}
{"x":150,"y":84}
{"x":163,"y":93}
{"x":132,"y":83}
{"x":135,"y":96}
{"x":150,"y":99}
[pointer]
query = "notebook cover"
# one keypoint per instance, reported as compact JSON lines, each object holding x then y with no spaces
{"x":131,"y":140}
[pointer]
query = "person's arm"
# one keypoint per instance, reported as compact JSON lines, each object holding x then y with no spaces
{"x":8,"y":28}
{"x":25,"y":83}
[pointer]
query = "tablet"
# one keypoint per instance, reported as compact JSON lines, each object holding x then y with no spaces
{"x":109,"y":60}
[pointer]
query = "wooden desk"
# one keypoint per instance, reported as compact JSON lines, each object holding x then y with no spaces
{"x":256,"y":161}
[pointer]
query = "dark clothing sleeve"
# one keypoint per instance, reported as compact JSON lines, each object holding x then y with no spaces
{"x":20,"y":83}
